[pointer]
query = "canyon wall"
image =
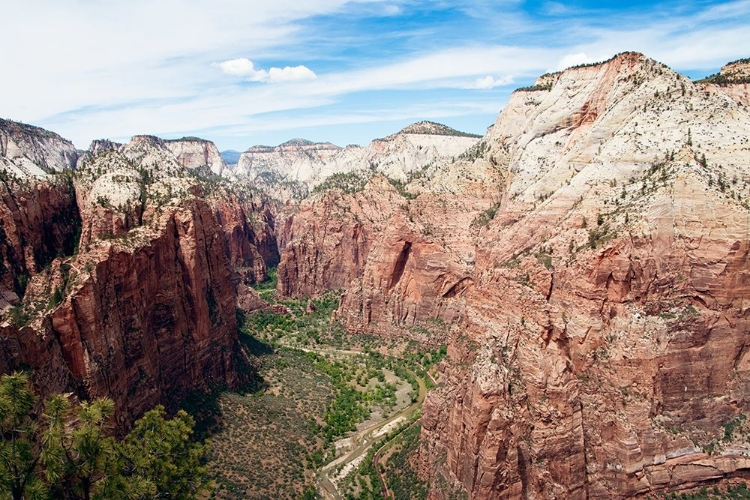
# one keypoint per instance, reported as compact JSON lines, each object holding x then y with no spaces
{"x":590,"y":254}
{"x":134,"y":269}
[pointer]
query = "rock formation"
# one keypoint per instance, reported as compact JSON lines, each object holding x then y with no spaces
{"x":592,"y":252}
{"x":28,"y":150}
{"x":587,"y":262}
{"x":292,"y":169}
{"x":134,"y":265}
{"x":194,"y":153}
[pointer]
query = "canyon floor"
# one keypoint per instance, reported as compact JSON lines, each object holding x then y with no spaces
{"x":322,"y":405}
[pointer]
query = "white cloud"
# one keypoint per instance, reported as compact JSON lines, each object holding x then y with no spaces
{"x":449,"y":68}
{"x":245,"y":67}
{"x":290,"y":74}
{"x":489,"y":82}
{"x":392,"y":10}
{"x":237,"y":67}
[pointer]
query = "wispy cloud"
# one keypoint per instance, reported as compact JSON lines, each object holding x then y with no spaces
{"x":108,"y":68}
{"x":490,"y":82}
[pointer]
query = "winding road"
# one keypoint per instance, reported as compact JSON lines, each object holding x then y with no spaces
{"x":363,"y":439}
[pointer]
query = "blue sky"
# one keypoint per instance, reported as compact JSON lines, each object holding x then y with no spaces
{"x":243,"y":72}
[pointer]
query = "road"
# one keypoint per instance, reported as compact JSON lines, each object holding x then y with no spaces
{"x":362,"y":440}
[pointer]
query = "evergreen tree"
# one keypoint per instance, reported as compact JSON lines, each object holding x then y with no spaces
{"x":19,"y":452}
{"x":69,"y":453}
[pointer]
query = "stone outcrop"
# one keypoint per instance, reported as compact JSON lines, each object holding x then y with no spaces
{"x":591,"y":252}
{"x":142,"y":309}
{"x":196,"y":154}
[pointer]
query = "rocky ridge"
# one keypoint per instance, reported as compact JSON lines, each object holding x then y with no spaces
{"x":591,"y":253}
{"x":28,"y":150}
{"x":132,"y":291}
{"x":293,"y":169}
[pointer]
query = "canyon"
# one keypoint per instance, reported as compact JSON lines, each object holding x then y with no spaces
{"x":121,"y":277}
{"x":590,"y":255}
{"x":586,"y":261}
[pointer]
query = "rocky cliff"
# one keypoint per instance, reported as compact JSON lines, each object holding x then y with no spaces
{"x":292,"y":169}
{"x":28,"y":150}
{"x":591,"y":252}
{"x":142,"y":307}
{"x":195,"y":153}
{"x":616,"y":355}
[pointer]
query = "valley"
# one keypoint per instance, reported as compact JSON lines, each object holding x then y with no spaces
{"x":556,"y":309}
{"x":321,"y":402}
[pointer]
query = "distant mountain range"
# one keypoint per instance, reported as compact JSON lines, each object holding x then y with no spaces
{"x":230,"y":156}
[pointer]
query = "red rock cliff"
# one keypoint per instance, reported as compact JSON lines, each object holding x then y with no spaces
{"x":592,"y":256}
{"x":145,"y":311}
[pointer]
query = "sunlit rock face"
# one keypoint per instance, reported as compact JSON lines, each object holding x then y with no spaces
{"x":121,"y":278}
{"x":591,"y":255}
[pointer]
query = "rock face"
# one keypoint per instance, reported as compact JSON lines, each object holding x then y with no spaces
{"x":592,"y":252}
{"x":194,"y":153}
{"x":606,"y":334}
{"x":289,"y":170}
{"x":38,"y":222}
{"x":155,"y":315}
{"x":326,"y":240}
{"x":144,"y":312}
{"x":38,"y":214}
{"x":27,"y":150}
{"x":292,"y":169}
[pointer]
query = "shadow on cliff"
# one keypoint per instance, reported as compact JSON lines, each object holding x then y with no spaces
{"x":204,"y":406}
{"x":255,"y":347}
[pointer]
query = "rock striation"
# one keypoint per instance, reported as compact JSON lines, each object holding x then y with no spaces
{"x":132,"y":267}
{"x":592,"y":254}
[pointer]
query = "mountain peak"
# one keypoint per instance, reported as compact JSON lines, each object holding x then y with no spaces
{"x":426,"y":127}
{"x":298,"y":142}
{"x":624,"y":63}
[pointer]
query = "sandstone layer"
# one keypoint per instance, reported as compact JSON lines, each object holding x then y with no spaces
{"x":592,"y":255}
{"x":134,"y":265}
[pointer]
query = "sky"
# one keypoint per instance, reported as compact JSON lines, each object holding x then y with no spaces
{"x":249,"y":72}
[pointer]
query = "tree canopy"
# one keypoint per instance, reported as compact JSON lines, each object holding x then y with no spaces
{"x":68,"y":451}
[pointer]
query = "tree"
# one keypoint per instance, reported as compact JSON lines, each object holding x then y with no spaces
{"x":79,"y":456}
{"x":68,"y":452}
{"x":159,"y":456}
{"x":19,"y":453}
